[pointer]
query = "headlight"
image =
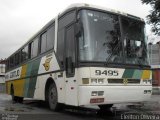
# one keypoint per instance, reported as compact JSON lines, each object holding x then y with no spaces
{"x":94,"y":81}
{"x":94,"y":93}
{"x":147,"y":81}
{"x":100,"y":81}
{"x":150,"y":81}
{"x":97,"y":93}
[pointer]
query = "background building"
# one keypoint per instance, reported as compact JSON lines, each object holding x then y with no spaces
{"x":2,"y":75}
{"x":154,"y":55}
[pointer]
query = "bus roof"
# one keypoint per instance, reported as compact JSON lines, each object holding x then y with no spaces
{"x":81,"y":5}
{"x":77,"y":5}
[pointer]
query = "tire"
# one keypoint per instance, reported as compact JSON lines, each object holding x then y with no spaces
{"x":20,"y":99}
{"x":53,"y":98}
{"x":105,"y":107}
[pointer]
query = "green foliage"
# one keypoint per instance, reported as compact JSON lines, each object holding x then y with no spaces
{"x":154,"y":16}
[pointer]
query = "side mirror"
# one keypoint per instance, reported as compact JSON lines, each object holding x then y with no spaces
{"x":78,"y":29}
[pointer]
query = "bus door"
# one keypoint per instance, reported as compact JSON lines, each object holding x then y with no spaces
{"x":70,"y":79}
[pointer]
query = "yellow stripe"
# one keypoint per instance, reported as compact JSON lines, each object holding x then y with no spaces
{"x":24,"y":70}
{"x":146,"y":74}
{"x":18,"y":87}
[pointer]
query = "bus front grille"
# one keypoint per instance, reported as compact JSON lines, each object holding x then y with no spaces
{"x":122,"y":81}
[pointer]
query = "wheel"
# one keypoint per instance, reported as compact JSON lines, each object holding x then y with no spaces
{"x":53,"y":98}
{"x":105,"y":107}
{"x":20,"y":99}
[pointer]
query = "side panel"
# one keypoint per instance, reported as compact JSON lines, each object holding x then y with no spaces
{"x":29,"y":80}
{"x":102,"y":85}
{"x":71,"y":90}
{"x":114,"y":94}
{"x":59,"y":81}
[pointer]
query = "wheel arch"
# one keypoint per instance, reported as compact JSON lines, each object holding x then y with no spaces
{"x":48,"y":83}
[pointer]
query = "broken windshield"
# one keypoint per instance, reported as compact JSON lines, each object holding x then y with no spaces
{"x":134,"y":41}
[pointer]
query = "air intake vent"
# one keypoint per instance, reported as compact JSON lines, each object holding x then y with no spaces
{"x":115,"y":80}
{"x":133,"y":81}
{"x":122,"y":81}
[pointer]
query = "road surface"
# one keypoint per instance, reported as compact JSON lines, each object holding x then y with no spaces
{"x":36,"y":110}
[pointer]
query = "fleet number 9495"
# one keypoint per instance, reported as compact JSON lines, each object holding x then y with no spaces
{"x":107,"y":72}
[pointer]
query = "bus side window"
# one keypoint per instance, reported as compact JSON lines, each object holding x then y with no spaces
{"x":24,"y":53}
{"x":46,"y":40}
{"x":50,"y":37}
{"x":33,"y":48}
{"x":17,"y":58}
{"x":43,"y":42}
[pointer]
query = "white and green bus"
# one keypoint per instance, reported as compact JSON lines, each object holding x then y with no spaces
{"x":87,"y":55}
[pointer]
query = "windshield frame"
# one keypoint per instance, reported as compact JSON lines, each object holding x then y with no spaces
{"x":107,"y":63}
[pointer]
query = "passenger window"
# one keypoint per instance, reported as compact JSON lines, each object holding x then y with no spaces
{"x":50,"y":37}
{"x":17,"y":58}
{"x":33,"y":48}
{"x":43,"y":42}
{"x":24,"y":53}
{"x":11,"y":61}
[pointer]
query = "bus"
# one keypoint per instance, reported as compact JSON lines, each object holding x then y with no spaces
{"x":87,"y":55}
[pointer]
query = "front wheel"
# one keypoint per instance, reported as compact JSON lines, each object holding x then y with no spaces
{"x":53,"y":98}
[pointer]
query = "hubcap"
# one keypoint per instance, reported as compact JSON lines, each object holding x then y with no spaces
{"x":53,"y":96}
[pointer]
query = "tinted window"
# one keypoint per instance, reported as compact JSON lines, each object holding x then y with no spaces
{"x":60,"y":46}
{"x":35,"y":48}
{"x":17,"y":58}
{"x":70,"y":51}
{"x":62,"y":23}
{"x":24,"y":53}
{"x":11,"y":62}
{"x":50,"y":37}
{"x":43,"y":42}
{"x":30,"y":49}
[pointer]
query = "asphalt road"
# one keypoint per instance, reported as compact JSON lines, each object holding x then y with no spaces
{"x":36,"y":110}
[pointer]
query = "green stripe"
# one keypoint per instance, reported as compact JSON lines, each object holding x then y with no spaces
{"x":29,"y":69}
{"x":137,"y":74}
{"x":128,"y":73}
{"x":33,"y":80}
{"x":26,"y":87}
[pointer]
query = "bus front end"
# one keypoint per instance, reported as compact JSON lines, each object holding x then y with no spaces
{"x":100,"y":85}
{"x":112,"y":58}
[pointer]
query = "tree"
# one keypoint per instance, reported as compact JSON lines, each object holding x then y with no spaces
{"x":154,"y":16}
